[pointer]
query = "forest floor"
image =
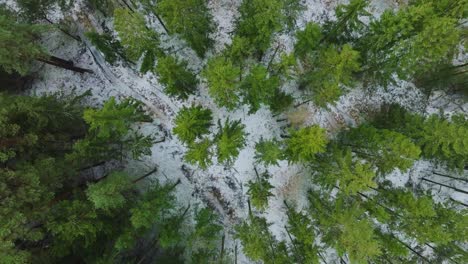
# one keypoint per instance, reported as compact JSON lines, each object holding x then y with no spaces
{"x":221,"y":187}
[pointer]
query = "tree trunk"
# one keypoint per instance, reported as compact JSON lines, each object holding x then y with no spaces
{"x":63,"y":64}
{"x":445,"y":185}
{"x":146,"y":175}
{"x":449,"y":176}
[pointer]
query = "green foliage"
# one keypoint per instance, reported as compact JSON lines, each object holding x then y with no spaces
{"x":339,"y":168}
{"x":331,"y":69}
{"x":386,"y":149}
{"x":222,"y":77}
{"x":229,"y":140}
{"x":178,"y":80}
{"x":199,"y":153}
{"x":204,"y":240}
{"x":260,"y":190}
{"x":256,"y":239}
{"x":152,"y":206}
{"x":422,"y":218}
{"x":280,"y":102}
{"x":105,"y":6}
{"x":38,"y":9}
{"x":304,"y":143}
{"x":136,"y":38}
{"x":400,"y":41}
{"x":437,"y":137}
{"x":268,"y":152}
{"x":108,"y":194}
{"x":348,"y":25}
{"x":258,"y":88}
{"x":291,"y":10}
{"x":259,"y":20}
{"x":192,"y":123}
{"x":308,"y":40}
{"x":302,"y":229}
{"x":110,"y":47}
{"x":19,"y":44}
{"x":191,"y":19}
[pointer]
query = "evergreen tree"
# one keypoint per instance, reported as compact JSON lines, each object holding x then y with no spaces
{"x":291,"y":10}
{"x":331,"y":69}
{"x":199,"y":153}
{"x":339,"y":168}
{"x":108,"y":194}
{"x":346,"y":228}
{"x":257,"y":241}
{"x":19,"y":42}
{"x":230,"y":139}
{"x":192,"y":123}
{"x":108,"y":45}
{"x":302,"y":234}
{"x":259,"y":20}
{"x":260,"y":190}
{"x":223,"y":85}
{"x":437,"y":137}
{"x":308,"y":40}
{"x":179,"y":81}
{"x":303,"y":144}
{"x":399,"y":41}
{"x":386,"y":149}
{"x":204,"y":240}
{"x":136,"y":38}
{"x":268,"y":152}
{"x":191,"y":19}
{"x":258,"y":88}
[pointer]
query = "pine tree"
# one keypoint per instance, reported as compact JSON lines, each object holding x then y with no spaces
{"x":189,"y":18}
{"x":291,"y":11}
{"x":386,"y":149}
{"x":19,"y":42}
{"x":331,"y":69}
{"x":223,"y":86}
{"x":258,"y":88}
{"x":268,"y":152}
{"x":303,"y":144}
{"x":205,"y":239}
{"x":259,"y":20}
{"x":192,"y":123}
{"x":199,"y":153}
{"x":348,"y":25}
{"x":399,"y":41}
{"x":345,"y":227}
{"x":107,"y":44}
{"x":301,"y":231}
{"x":339,"y":168}
{"x":257,"y":241}
{"x":178,"y":80}
{"x":230,"y":139}
{"x":308,"y":40}
{"x":136,"y":38}
{"x":437,"y":137}
{"x":108,"y":194}
{"x":260,"y":190}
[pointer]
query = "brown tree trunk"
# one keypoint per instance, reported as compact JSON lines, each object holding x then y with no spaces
{"x":61,"y":63}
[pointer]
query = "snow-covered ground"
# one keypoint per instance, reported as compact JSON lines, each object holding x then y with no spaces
{"x":222,"y":187}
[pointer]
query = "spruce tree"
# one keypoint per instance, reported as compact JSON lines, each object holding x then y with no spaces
{"x":268,"y":152}
{"x":109,"y":193}
{"x":303,"y":144}
{"x":259,"y":190}
{"x":107,"y":44}
{"x":189,"y":18}
{"x":200,"y":153}
{"x":259,"y":20}
{"x":223,"y":86}
{"x":192,"y":123}
{"x":136,"y":38}
{"x":258,"y":88}
{"x":230,"y":139}
{"x":400,"y":40}
{"x":178,"y":80}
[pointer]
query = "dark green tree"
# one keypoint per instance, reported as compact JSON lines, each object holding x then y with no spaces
{"x":230,"y":139}
{"x":258,"y":88}
{"x":192,"y":123}
{"x":268,"y":152}
{"x":178,"y":80}
{"x":200,"y":153}
{"x":303,"y":144}
{"x":259,"y":190}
